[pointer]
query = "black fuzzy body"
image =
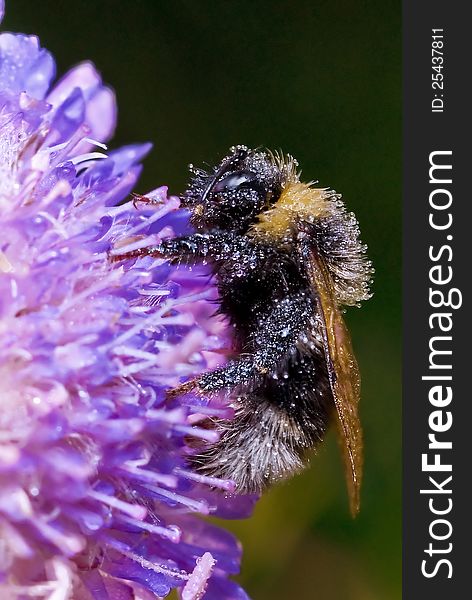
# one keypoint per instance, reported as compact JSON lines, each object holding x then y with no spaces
{"x":284,"y":412}
{"x":280,"y":390}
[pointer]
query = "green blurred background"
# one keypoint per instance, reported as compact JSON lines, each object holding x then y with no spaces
{"x":320,"y":80}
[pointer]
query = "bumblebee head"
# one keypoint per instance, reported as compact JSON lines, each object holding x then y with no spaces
{"x":234,"y":192}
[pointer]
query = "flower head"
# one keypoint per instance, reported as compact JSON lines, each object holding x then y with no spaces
{"x":96,"y":499}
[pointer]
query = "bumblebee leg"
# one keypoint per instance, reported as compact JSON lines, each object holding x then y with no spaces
{"x":182,"y":389}
{"x":154,"y":251}
{"x":193,"y":247}
{"x":278,"y":330}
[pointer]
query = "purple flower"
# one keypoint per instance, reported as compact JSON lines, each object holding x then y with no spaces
{"x":96,"y":499}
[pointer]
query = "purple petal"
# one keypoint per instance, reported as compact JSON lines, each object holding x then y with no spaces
{"x":95,"y":584}
{"x":219,"y":587}
{"x":100,"y":112}
{"x":127,"y":569}
{"x":127,"y":156}
{"x":24,"y":65}
{"x":69,"y":116}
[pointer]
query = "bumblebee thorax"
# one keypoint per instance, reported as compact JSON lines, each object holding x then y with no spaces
{"x":298,"y":202}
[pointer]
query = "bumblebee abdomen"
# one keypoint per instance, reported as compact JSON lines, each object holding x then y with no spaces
{"x":274,"y":427}
{"x":262,"y":445}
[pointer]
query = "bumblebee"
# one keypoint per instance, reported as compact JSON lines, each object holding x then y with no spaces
{"x":287,"y":259}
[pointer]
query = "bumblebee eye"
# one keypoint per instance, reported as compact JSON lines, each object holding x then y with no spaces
{"x":234,"y":181}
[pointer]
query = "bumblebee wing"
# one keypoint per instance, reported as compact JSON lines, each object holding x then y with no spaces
{"x":343,"y":373}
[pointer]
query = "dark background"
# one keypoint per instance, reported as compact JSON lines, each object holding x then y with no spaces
{"x":320,"y":80}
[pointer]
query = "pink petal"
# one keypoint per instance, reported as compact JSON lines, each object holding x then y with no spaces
{"x":196,"y":585}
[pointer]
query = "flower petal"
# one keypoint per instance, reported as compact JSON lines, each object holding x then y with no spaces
{"x":24,"y":65}
{"x":100,"y":104}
